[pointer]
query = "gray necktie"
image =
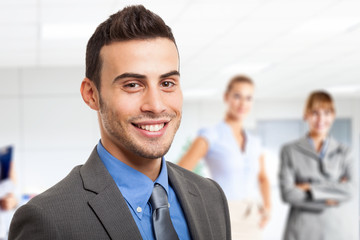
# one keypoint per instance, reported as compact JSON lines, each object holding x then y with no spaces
{"x":163,"y":228}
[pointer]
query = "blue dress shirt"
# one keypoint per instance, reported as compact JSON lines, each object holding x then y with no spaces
{"x":137,"y":188}
{"x":323,"y":149}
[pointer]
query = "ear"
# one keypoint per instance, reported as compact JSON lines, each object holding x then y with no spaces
{"x":90,"y":94}
{"x":225,"y":97}
{"x":305,"y":116}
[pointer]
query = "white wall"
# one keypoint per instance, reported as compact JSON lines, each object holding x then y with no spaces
{"x":52,"y":130}
{"x":43,"y":116}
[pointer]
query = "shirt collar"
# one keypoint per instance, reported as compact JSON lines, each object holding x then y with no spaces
{"x":323,"y":147}
{"x":245,"y":134}
{"x":135,"y":187}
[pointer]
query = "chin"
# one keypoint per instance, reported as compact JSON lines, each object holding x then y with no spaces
{"x":321,"y":131}
{"x":240,"y":116}
{"x":154,"y":154}
{"x":154,"y":149}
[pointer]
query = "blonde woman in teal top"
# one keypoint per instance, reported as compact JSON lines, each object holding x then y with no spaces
{"x":235,"y":160}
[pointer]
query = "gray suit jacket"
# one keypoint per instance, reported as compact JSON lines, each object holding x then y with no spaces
{"x":87,"y":204}
{"x":310,"y":218}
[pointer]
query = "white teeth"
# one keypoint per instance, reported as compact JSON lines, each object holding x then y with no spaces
{"x":152,"y":128}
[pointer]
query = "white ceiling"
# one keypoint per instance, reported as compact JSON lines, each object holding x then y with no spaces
{"x":289,"y":47}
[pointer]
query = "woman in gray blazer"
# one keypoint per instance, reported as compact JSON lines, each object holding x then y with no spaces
{"x":316,"y":176}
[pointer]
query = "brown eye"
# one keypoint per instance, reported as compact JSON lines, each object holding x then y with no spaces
{"x":167,"y":84}
{"x":132,"y":85}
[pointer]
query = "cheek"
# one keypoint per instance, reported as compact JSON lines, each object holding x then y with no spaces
{"x":311,"y":120}
{"x":329,"y":120}
{"x":173,"y":101}
{"x":122,"y":108}
{"x":176,"y":104}
{"x":234,"y":105}
{"x":248,"y":105}
{"x":234,"y":102}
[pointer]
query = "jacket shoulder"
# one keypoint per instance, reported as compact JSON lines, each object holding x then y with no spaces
{"x":43,"y":213}
{"x":290,"y":145}
{"x":61,"y":190}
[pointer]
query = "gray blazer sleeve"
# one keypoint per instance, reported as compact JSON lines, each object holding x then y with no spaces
{"x":289,"y":192}
{"x":338,"y":190}
{"x":31,"y":220}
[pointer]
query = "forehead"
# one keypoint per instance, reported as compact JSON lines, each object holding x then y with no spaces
{"x":134,"y":55}
{"x":241,"y":86}
{"x":321,"y":105}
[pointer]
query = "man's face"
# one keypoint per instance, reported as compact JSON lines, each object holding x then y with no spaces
{"x":140,"y":96}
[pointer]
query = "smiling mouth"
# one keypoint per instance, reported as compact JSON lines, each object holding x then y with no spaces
{"x":151,"y":127}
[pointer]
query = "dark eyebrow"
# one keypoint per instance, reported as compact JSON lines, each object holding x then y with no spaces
{"x":140,"y":76}
{"x":129,"y":75}
{"x":169,"y":74}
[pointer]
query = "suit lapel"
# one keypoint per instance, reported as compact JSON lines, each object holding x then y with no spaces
{"x":191,"y":203}
{"x":324,"y":163}
{"x":332,"y":148}
{"x":304,"y":146}
{"x":108,"y":204}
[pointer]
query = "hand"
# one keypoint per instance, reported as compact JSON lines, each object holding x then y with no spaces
{"x":331,"y":202}
{"x":303,"y":186}
{"x":265,"y":216}
{"x":8,"y":202}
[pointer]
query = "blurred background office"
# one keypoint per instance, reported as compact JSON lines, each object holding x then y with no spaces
{"x":289,"y":48}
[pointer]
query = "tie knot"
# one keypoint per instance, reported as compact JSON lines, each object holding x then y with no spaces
{"x":158,"y":197}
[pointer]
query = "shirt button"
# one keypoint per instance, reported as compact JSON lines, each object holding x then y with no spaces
{"x":139,"y":209}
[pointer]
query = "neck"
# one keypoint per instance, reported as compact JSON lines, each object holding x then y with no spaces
{"x":235,"y":124}
{"x":149,"y":167}
{"x":237,"y":129}
{"x":318,"y":139}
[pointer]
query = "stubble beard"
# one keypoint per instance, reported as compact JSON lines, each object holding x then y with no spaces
{"x":123,"y":139}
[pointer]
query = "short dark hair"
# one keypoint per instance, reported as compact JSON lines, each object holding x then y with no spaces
{"x":238,"y":79}
{"x":131,"y":23}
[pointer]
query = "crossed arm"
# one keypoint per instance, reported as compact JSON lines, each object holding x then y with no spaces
{"x":315,"y":196}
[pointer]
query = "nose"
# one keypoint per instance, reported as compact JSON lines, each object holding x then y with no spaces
{"x":153,"y":101}
{"x":321,"y":117}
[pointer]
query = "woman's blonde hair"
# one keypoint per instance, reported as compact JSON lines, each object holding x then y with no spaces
{"x":238,"y":79}
{"x":319,"y":99}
